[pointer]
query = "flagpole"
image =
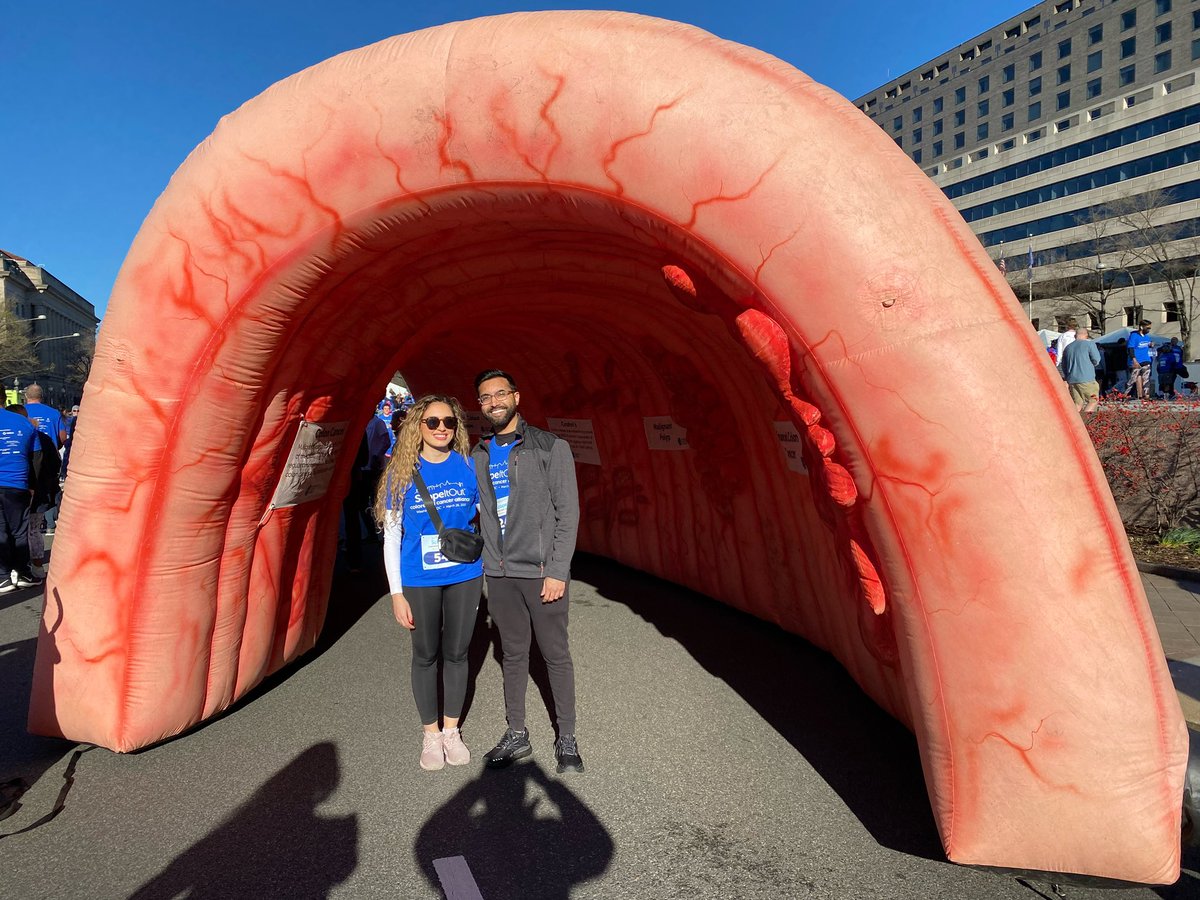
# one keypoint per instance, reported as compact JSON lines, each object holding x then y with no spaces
{"x":1031,"y":279}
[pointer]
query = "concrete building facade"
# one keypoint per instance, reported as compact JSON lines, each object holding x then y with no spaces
{"x":28,"y":291}
{"x":1035,"y":128}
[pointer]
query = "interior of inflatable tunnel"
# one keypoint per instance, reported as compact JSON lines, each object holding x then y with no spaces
{"x":667,"y":236}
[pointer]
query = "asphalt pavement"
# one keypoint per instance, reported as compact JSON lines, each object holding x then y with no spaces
{"x":725,"y":759}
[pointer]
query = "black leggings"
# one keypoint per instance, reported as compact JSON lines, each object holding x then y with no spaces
{"x":442,"y":615}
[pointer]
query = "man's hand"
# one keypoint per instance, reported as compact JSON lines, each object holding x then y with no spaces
{"x":402,"y":611}
{"x":553,"y":589}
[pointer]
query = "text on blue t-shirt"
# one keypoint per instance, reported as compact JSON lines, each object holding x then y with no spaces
{"x":498,"y":471}
{"x":454,"y":490}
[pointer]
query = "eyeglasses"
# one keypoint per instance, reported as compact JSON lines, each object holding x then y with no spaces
{"x":432,"y":422}
{"x":485,"y":399}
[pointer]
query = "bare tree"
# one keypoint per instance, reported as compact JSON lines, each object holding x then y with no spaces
{"x":80,"y":365}
{"x":1162,"y":249}
{"x":1088,"y":283}
{"x":17,"y":357}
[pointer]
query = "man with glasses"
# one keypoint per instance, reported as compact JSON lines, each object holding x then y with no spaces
{"x":529,"y":516}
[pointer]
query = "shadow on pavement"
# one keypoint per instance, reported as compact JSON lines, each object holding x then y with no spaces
{"x":275,"y":845}
{"x":24,"y":758}
{"x":867,"y":757}
{"x":522,"y":833}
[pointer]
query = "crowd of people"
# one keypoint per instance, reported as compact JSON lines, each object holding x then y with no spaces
{"x":1134,"y":368}
{"x":35,"y":443}
{"x":454,"y":519}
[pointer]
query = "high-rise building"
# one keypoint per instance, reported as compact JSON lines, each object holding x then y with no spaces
{"x":61,"y":324}
{"x":1046,"y":127}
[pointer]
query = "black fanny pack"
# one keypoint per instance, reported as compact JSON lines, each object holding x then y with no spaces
{"x":457,"y":544}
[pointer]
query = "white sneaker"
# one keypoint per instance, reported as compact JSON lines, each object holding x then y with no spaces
{"x":433,"y":757}
{"x":456,"y":751}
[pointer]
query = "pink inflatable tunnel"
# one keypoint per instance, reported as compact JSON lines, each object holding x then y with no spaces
{"x":793,"y":379}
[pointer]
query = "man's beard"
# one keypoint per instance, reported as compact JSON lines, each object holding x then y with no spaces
{"x":509,"y":414}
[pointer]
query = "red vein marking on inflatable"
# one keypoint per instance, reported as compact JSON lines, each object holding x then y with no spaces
{"x":730,"y":198}
{"x":615,"y":147}
{"x":544,"y":114}
{"x":1024,"y":752}
{"x":262,"y":228}
{"x":766,"y":259}
{"x":306,"y":189}
{"x":443,"y":146}
{"x":229,"y":239}
{"x":192,"y":303}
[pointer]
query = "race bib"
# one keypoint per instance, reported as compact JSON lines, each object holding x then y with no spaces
{"x":502,"y":511}
{"x":431,"y":554}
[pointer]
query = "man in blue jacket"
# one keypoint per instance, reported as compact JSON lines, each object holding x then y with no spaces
{"x":529,"y":517}
{"x":17,"y":474}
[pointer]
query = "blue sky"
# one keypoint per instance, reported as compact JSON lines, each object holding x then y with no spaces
{"x":104,"y":100}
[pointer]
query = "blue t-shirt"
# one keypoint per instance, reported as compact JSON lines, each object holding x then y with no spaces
{"x":455,"y":492}
{"x":49,"y":420}
{"x":1170,"y":359}
{"x":498,"y":471}
{"x":1139,"y":346}
{"x":16,"y":447}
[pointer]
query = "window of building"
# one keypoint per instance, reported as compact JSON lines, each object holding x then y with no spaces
{"x":1063,"y":100}
{"x":981,"y":153}
{"x":1126,"y":76}
{"x":897,"y":123}
{"x":1162,"y":7}
{"x":1034,"y":135}
{"x":982,"y":108}
{"x":1170,"y":311}
{"x":1035,"y":111}
{"x":937,"y":149}
{"x":1035,"y":61}
{"x":1162,"y":33}
{"x":1128,"y":19}
{"x":1093,"y":89}
{"x":1063,"y":125}
{"x":985,"y":84}
{"x":1196,"y":20}
{"x":1033,"y":22}
{"x":1196,"y":49}
{"x":1064,"y":49}
{"x":960,"y":141}
{"x":1006,"y":122}
{"x":937,"y":105}
{"x":937,"y":126}
{"x":1162,"y":62}
{"x":1064,"y":74}
{"x":1005,"y":146}
{"x":1095,"y":60}
{"x":960,"y":118}
{"x":1094,"y":319}
{"x":1128,"y":47}
{"x":916,"y":136}
{"x":981,"y":131}
{"x":1036,"y":322}
{"x":1009,"y":97}
{"x":1009,"y":74}
{"x":1095,"y":34}
{"x":1035,"y":86}
{"x":917,"y":114}
{"x":960,"y":95}
{"x":1132,"y":314}
{"x":916,"y":156}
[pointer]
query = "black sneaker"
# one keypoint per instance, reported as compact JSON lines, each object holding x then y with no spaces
{"x":28,"y":580}
{"x":6,"y":586}
{"x":566,"y":751}
{"x":513,"y":746}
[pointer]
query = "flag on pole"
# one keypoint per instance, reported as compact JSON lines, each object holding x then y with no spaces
{"x":1002,"y":266}
{"x":1031,"y":262}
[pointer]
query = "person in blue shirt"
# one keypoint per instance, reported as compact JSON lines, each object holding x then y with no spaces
{"x":50,"y":420}
{"x":18,"y":458}
{"x":1140,"y":344}
{"x":1170,"y":366}
{"x":437,"y":599}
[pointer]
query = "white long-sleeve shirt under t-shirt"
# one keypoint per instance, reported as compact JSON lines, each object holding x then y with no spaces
{"x":1064,"y":341}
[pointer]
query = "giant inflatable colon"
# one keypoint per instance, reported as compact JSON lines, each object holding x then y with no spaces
{"x":708,"y":258}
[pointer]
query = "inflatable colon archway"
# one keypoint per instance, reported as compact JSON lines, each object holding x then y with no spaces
{"x":642,"y":222}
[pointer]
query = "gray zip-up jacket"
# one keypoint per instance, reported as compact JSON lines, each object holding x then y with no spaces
{"x":543,"y":507}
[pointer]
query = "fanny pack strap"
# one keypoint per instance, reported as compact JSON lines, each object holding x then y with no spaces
{"x":426,"y":499}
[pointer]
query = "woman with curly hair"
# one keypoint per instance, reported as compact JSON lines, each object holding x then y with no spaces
{"x":437,"y":599}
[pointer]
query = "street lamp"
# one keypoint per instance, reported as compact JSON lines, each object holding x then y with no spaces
{"x":34,"y":319}
{"x":61,"y":337}
{"x":1100,"y":267}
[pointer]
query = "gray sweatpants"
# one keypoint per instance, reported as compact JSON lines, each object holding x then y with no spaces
{"x":516,"y":607}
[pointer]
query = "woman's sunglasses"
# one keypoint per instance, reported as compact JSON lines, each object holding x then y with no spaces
{"x":432,"y":422}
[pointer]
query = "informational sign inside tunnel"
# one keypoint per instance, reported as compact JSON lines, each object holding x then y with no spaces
{"x":310,"y":464}
{"x":664,"y":433}
{"x":789,"y":442}
{"x":475,"y":425}
{"x":581,"y":435}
